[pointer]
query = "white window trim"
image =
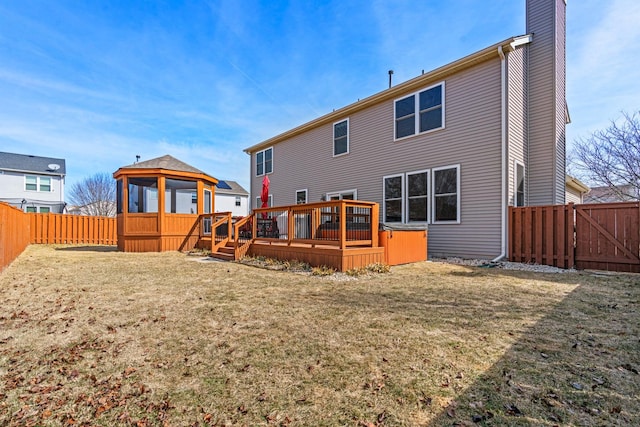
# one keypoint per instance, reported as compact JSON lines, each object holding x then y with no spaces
{"x":433,"y":194}
{"x":402,"y":197}
{"x":517,"y":163}
{"x":38,"y":184}
{"x":269,"y":201}
{"x":417,"y":112}
{"x":264,"y":169}
{"x":340,"y":193}
{"x":406,"y":196}
{"x":306,"y":195}
{"x":333,"y":130}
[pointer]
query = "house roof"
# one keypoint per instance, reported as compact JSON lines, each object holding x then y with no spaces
{"x":609,"y":195}
{"x":165,"y":162}
{"x":234,"y":188}
{"x":35,"y":164}
{"x":576,"y":184}
{"x":416,"y":83}
{"x":162,"y":165}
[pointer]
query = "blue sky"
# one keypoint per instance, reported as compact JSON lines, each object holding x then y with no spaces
{"x":99,"y":82}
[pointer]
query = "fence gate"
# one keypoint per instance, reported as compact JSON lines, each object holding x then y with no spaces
{"x":608,"y":236}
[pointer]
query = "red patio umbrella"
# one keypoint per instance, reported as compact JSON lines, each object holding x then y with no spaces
{"x":264,"y":196}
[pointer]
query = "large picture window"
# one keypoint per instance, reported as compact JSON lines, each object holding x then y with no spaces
{"x":341,"y":138}
{"x":446,"y":194}
{"x":264,"y":161}
{"x":420,"y":112}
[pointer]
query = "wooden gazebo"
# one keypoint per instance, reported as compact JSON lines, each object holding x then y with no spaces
{"x":158,"y":203}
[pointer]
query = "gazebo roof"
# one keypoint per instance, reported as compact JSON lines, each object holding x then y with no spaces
{"x":165,"y":164}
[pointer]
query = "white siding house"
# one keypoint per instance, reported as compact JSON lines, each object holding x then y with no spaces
{"x":32,"y":183}
{"x":449,"y":150}
{"x":231,"y":197}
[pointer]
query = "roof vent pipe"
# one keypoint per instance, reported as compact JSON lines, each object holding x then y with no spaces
{"x":390,"y":74}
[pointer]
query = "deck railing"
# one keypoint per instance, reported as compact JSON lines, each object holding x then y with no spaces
{"x":319,"y":224}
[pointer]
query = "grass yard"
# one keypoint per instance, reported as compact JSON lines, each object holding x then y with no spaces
{"x":91,"y":336}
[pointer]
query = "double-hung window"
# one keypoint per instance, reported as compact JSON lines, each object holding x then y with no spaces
{"x":446,"y":194}
{"x":37,"y":183}
{"x":341,"y":138}
{"x":420,"y":112}
{"x":264,"y":161}
{"x":406,"y":197}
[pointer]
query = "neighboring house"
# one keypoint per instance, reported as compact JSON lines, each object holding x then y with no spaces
{"x":575,"y":190}
{"x":102,"y":208}
{"x":32,"y":183}
{"x":622,"y":193}
{"x":231,"y":197}
{"x":450,"y":149}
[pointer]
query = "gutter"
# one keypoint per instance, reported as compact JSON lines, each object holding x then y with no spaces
{"x":503,"y":140}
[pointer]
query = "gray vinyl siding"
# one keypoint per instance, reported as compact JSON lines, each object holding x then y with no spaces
{"x":546,"y":134}
{"x":471,"y":139}
{"x":560,"y":93}
{"x":516,"y":117}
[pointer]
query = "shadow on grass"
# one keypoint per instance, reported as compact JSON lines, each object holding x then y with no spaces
{"x":89,"y":248}
{"x":578,"y":365}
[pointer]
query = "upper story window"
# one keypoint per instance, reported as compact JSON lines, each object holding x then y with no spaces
{"x":341,"y":138}
{"x":420,"y":112}
{"x":238,"y":201}
{"x":264,"y":161}
{"x":37,"y":183}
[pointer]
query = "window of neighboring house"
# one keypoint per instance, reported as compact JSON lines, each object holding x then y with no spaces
{"x":38,"y":183}
{"x":31,"y":183}
{"x":429,"y":105}
{"x":238,"y":201}
{"x":143,"y":195}
{"x":446,"y":194}
{"x":269,"y":201}
{"x":45,"y":184}
{"x":31,"y":209}
{"x":393,"y":193}
{"x":519,"y":199}
{"x":264,"y":161}
{"x":44,"y":209}
{"x":341,"y":138}
{"x":194,"y":197}
{"x":301,"y":197}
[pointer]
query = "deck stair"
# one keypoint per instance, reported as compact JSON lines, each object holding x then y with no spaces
{"x":225,"y":252}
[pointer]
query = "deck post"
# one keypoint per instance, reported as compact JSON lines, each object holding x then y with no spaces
{"x":375,"y":217}
{"x":290,"y":225}
{"x":343,"y":224}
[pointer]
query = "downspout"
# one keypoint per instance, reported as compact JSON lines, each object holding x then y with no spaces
{"x":503,"y":140}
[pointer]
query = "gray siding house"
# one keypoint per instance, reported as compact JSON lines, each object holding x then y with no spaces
{"x":450,"y":149}
{"x":32,"y":183}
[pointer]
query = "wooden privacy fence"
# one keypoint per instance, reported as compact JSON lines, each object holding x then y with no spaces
{"x":603,"y":236}
{"x":72,"y":229}
{"x":14,"y":233}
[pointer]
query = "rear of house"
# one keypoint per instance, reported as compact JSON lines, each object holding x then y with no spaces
{"x":448,"y":150}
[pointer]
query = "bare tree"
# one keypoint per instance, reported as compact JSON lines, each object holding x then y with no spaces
{"x":95,"y":195}
{"x":611,"y":157}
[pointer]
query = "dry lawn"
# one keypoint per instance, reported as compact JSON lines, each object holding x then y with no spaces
{"x":90,"y":336}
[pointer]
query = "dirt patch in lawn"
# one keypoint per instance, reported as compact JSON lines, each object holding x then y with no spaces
{"x":95,"y":337}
